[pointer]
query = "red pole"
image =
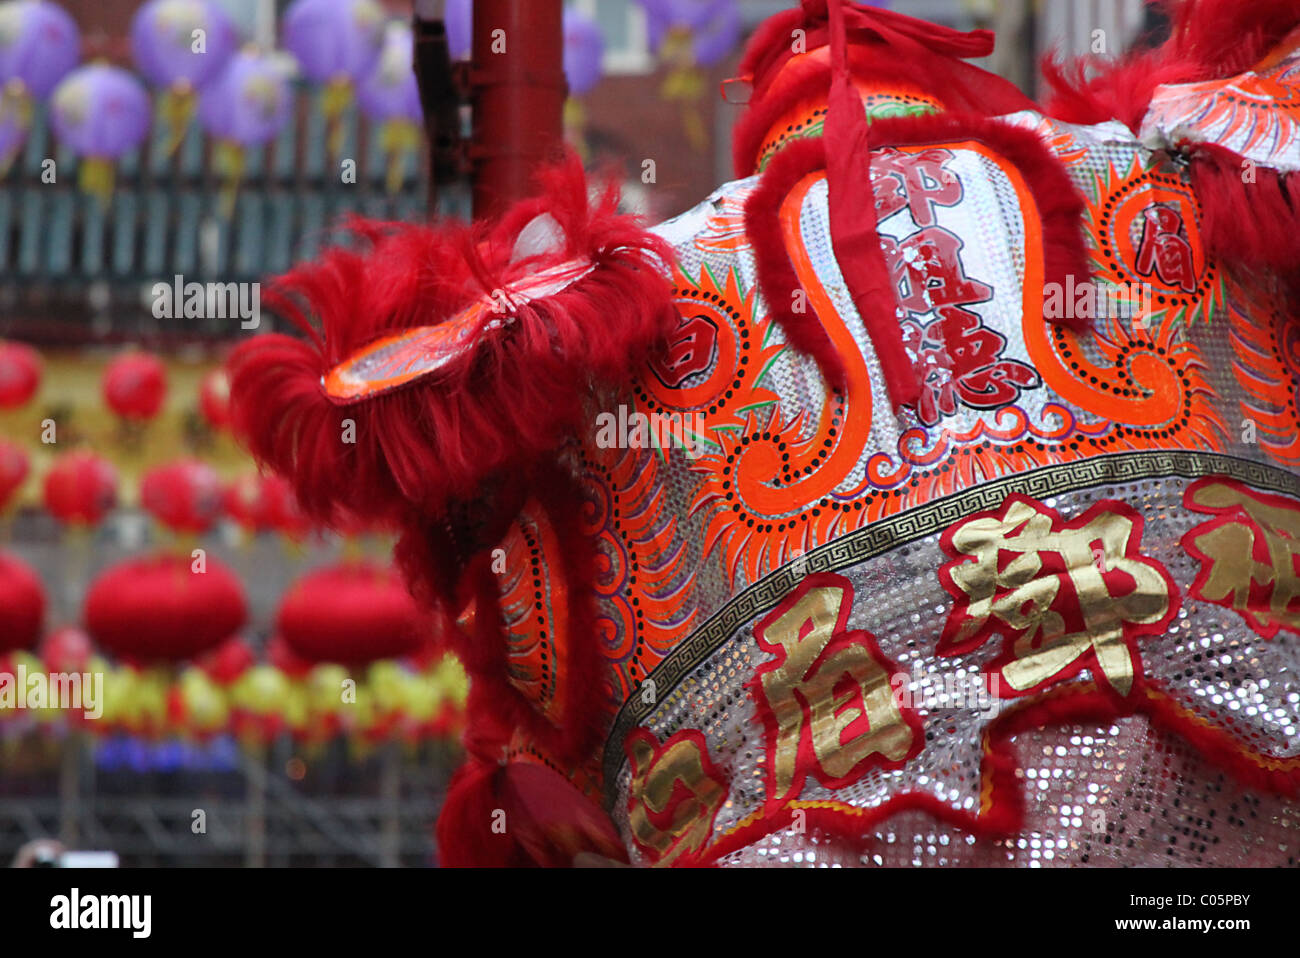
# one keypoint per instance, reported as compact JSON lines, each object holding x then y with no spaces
{"x":518,"y":93}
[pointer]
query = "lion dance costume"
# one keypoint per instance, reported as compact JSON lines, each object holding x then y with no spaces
{"x":927,"y":495}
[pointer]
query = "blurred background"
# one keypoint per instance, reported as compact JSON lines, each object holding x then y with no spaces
{"x":270,"y":696}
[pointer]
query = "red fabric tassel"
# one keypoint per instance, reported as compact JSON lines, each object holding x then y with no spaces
{"x":853,"y":222}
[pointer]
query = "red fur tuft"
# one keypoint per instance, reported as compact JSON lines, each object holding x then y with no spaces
{"x":464,"y":830}
{"x":507,"y":402}
{"x":776,"y":275}
{"x":451,"y":457}
{"x":1084,"y":93}
{"x":409,"y":276}
{"x":1251,"y":227}
{"x":548,"y":821}
{"x":1092,"y":90}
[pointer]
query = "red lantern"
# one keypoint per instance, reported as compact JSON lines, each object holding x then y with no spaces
{"x":80,"y":487}
{"x":161,"y":608}
{"x":282,"y":655}
{"x":246,"y":502}
{"x":352,"y":613}
{"x":13,"y":470}
{"x":185,"y":495}
{"x":214,"y":398}
{"x":67,"y":650}
{"x":22,"y":604}
{"x":135,"y":385}
{"x":20,"y":374}
{"x":228,"y":661}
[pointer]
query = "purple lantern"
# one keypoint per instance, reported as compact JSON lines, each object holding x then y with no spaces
{"x":584,"y":48}
{"x":101,"y":112}
{"x":247,"y":105}
{"x":337,"y":43}
{"x":167,"y":50}
{"x":39,"y":44}
{"x":390,"y":97}
{"x":713,"y":26}
{"x":249,"y":102}
{"x":179,"y":45}
{"x":334,"y":40}
{"x":390,"y":91}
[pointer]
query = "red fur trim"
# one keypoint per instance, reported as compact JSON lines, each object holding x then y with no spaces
{"x":1221,"y":749}
{"x":1249,"y":227}
{"x":772,"y":43}
{"x":1060,"y":209}
{"x":772,"y":34}
{"x":507,"y":403}
{"x":958,"y":86}
{"x":776,"y":275}
{"x":1210,"y":39}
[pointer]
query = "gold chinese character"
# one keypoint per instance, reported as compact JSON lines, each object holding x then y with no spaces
{"x":825,"y":698}
{"x":674,"y":795}
{"x":1060,"y":592}
{"x":1250,"y":553}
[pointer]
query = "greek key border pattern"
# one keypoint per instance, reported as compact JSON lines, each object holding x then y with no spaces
{"x":887,"y":534}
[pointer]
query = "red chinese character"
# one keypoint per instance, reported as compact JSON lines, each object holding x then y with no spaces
{"x":1165,"y":249}
{"x":959,"y":358}
{"x":928,"y":273}
{"x":691,"y":349}
{"x":919,"y":181}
